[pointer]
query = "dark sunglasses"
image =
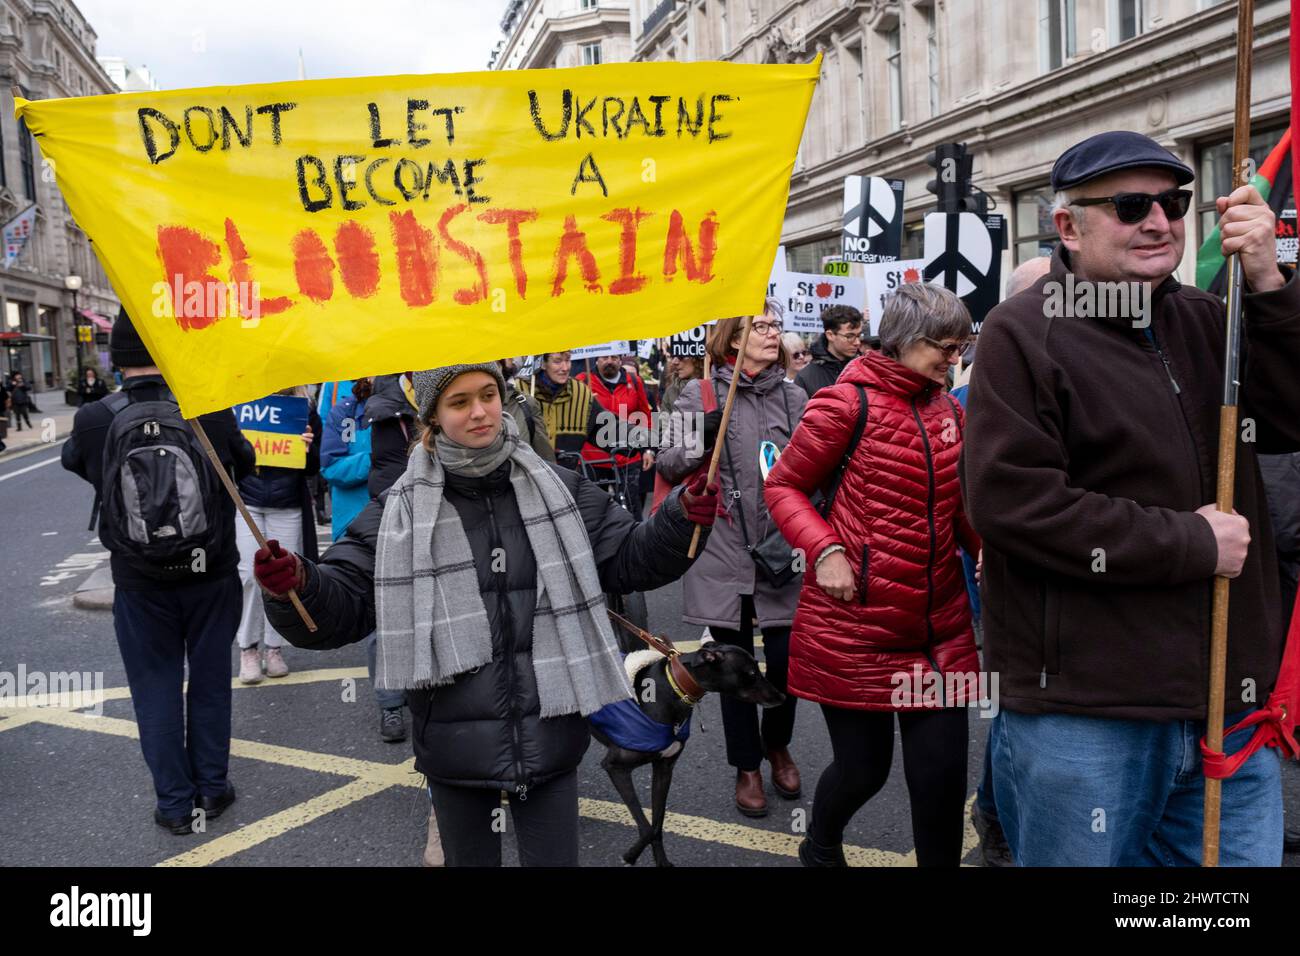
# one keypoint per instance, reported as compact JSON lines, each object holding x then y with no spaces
{"x":955,"y":348}
{"x":799,"y":355}
{"x":1132,"y":208}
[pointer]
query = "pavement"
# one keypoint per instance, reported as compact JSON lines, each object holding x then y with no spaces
{"x":317,"y":786}
{"x":51,"y":425}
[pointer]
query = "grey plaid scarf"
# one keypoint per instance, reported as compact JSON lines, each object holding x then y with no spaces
{"x":430,"y":616}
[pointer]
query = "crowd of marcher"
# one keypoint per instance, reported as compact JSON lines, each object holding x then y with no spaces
{"x":885,"y":509}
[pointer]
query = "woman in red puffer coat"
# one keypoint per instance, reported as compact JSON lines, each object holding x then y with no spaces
{"x":883,"y":626}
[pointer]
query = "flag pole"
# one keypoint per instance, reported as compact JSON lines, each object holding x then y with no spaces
{"x":726,"y":415}
{"x":243,"y":510}
{"x":1227,"y":470}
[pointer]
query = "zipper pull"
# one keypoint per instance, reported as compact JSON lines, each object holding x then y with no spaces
{"x":1042,"y":678}
{"x":1168,"y":371}
{"x":522,"y":790}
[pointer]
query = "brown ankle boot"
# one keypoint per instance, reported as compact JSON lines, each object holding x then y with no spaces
{"x":750,"y":799}
{"x":785,"y":775}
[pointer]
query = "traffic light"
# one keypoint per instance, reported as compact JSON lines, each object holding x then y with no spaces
{"x":952,"y":166}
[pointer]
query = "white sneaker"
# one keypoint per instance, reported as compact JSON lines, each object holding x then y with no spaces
{"x":275,"y":664}
{"x":250,"y":666}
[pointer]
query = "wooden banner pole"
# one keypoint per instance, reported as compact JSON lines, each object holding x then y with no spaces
{"x":229,"y":484}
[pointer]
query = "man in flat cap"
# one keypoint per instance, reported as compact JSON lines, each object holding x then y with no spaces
{"x":1089,"y":470}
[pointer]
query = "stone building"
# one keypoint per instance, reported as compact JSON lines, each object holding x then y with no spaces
{"x":549,"y":33}
{"x":47,"y":49}
{"x":1016,"y":80}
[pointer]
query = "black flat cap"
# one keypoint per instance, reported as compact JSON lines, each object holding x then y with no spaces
{"x":1113,"y":151}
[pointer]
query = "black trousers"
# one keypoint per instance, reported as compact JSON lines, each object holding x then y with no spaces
{"x":184,"y":730}
{"x":748,"y":738}
{"x":22,"y":414}
{"x":934,"y":763}
{"x":471,"y":821}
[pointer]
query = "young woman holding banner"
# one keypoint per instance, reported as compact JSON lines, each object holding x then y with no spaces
{"x":728,"y":587}
{"x":460,"y":568}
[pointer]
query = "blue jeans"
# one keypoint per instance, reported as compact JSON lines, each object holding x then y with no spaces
{"x":1094,"y":791}
{"x":386,"y":699}
{"x":185,"y":736}
{"x":984,"y":793}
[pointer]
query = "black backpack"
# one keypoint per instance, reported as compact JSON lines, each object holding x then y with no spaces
{"x":160,"y":499}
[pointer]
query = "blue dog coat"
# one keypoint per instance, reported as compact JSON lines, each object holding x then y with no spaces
{"x":628,"y":726}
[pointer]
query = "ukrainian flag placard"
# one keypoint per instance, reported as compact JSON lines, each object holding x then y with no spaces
{"x":275,"y":425}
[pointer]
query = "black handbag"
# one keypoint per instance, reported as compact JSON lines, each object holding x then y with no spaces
{"x":773,"y":555}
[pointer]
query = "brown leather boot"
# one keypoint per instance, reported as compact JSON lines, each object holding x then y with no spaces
{"x":785,"y":775}
{"x":750,"y":799}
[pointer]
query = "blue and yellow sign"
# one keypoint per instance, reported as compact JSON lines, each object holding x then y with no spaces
{"x":275,"y":425}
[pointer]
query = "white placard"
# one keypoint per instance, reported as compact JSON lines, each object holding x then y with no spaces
{"x":882,"y":279}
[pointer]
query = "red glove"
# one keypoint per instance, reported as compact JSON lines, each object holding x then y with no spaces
{"x":276,"y":570}
{"x":700,"y":503}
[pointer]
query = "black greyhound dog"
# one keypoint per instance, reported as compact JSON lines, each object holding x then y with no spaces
{"x":666,"y":691}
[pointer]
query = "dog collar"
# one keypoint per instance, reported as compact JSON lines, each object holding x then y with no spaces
{"x":682,"y":682}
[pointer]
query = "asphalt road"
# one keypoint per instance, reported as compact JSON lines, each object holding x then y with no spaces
{"x":317,"y":787}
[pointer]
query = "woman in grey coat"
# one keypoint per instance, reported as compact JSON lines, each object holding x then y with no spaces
{"x":724,"y":588}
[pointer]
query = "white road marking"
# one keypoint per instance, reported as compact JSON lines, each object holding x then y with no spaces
{"x":23,"y":471}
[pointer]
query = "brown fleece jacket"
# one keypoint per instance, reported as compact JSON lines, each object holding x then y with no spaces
{"x":1086,"y":451}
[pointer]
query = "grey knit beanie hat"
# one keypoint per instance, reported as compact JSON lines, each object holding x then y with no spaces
{"x":431,"y":383}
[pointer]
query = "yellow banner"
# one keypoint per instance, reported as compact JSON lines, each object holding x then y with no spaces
{"x":265,"y":236}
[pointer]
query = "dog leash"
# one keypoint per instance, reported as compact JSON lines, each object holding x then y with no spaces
{"x":680,"y":679}
{"x":660,"y":643}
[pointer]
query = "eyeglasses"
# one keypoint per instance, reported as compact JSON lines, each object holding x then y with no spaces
{"x":799,"y":355}
{"x":949,"y":350}
{"x":847,"y":335}
{"x":1132,"y":208}
{"x":767,"y":328}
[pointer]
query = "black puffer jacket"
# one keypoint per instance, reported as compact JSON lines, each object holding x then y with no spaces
{"x":823,"y":370}
{"x":485,"y":729}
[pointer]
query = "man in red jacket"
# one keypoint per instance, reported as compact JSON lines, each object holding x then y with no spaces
{"x":1089,"y":471}
{"x":620,"y":394}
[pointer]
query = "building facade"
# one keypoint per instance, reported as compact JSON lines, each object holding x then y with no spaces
{"x":138,"y":79}
{"x":47,"y":49}
{"x":1018,"y":81}
{"x":551,"y":33}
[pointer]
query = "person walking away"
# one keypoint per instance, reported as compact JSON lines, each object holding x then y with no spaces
{"x":279,"y":500}
{"x":5,"y":405}
{"x":175,"y":596}
{"x":20,"y":397}
{"x":1090,"y":473}
{"x":833,"y":349}
{"x":497,"y":701}
{"x":725,"y":589}
{"x":884,"y":618}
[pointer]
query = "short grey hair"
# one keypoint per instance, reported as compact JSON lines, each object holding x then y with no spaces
{"x":1064,"y":199}
{"x":773,"y":307}
{"x":921,"y":310}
